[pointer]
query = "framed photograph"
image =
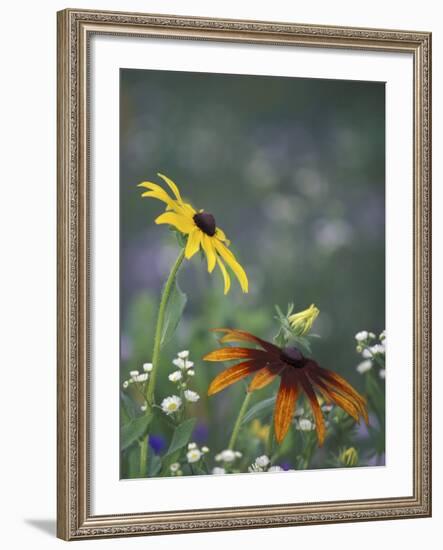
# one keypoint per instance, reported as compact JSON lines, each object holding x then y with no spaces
{"x":243,"y":274}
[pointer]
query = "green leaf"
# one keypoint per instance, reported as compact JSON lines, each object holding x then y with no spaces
{"x":174,"y":311}
{"x":133,"y":430}
{"x":260,"y":409}
{"x":181,"y":435}
{"x":154,"y":464}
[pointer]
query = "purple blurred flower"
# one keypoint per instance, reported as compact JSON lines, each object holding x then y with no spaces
{"x":157,"y":443}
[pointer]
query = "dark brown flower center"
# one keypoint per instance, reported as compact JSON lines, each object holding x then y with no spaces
{"x":205,"y":222}
{"x":293,"y":356}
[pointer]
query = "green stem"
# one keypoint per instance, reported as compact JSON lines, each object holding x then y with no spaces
{"x":270,"y":441}
{"x":159,"y":327}
{"x":237,"y":424}
{"x":144,"y":456}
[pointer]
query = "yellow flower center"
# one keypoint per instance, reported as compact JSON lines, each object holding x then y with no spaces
{"x":205,"y":222}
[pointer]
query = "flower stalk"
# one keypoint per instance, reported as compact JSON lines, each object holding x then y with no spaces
{"x":241,"y":414}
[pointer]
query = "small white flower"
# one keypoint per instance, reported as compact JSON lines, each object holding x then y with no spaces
{"x":238,"y":454}
{"x":205,"y":449}
{"x":133,"y":373}
{"x":174,"y":467}
{"x":147,"y":367}
{"x":364,"y":366}
{"x":253,"y":468}
{"x":362,"y":336}
{"x":371,"y":335}
{"x":125,"y":384}
{"x":175,"y":376}
{"x":377,"y":349}
{"x":141,"y":377}
{"x":183,"y":354}
{"x":217,"y":471}
{"x":182,"y":363}
{"x":171,"y":404}
{"x":262,"y":461}
{"x":144,"y":407}
{"x":305,"y":425}
{"x":191,"y":396}
{"x":191,"y":446}
{"x":193,"y":455}
{"x":226,"y":456}
{"x":275,"y":469}
{"x":191,"y":372}
{"x":299,"y":411}
{"x":382,"y":373}
{"x":383,"y":335}
{"x":366,"y":353}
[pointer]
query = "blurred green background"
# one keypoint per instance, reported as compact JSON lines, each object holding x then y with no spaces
{"x":294,"y":172}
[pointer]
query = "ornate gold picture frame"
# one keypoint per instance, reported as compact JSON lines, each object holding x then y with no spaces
{"x":76,"y":28}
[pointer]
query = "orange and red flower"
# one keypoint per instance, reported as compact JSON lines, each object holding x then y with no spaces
{"x":298,"y":374}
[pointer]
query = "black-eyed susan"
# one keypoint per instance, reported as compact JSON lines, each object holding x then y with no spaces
{"x":298,"y":374}
{"x":200,"y":229}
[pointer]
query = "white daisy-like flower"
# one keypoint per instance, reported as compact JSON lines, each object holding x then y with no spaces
{"x":193,"y":455}
{"x":362,"y":336}
{"x":174,"y":467}
{"x":217,"y":471}
{"x":190,"y":372}
{"x":191,"y":446}
{"x":254,"y":468}
{"x":205,"y":449}
{"x":175,"y":376}
{"x":275,"y":469}
{"x":171,"y":404}
{"x":182,"y":364}
{"x":125,"y":384}
{"x":262,"y":461}
{"x":147,"y":367}
{"x":183,"y":354}
{"x":377,"y":349}
{"x":382,"y":373}
{"x":371,"y":335}
{"x":133,"y":373}
{"x":226,"y":456}
{"x":383,"y":335}
{"x":141,"y":377}
{"x":144,"y":407}
{"x":191,"y":396}
{"x":364,"y":366}
{"x":238,"y":454}
{"x":366,"y":353}
{"x":305,"y":425}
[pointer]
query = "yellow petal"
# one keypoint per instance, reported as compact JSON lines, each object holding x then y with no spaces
{"x":229,"y":257}
{"x":226,"y":278}
{"x":193,"y":244}
{"x":171,"y":185}
{"x":221,"y":235}
{"x":156,"y":192}
{"x":208,"y":247}
{"x":182,"y":223}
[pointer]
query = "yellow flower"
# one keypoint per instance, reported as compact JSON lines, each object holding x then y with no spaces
{"x":259,"y":430}
{"x":201,"y":229}
{"x":349,"y":457}
{"x":302,"y":321}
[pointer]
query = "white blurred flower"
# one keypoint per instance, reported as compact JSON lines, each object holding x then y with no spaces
{"x":275,"y":469}
{"x":133,"y":373}
{"x":361,"y":336}
{"x":238,"y":454}
{"x":125,"y":384}
{"x":371,"y":335}
{"x":205,"y":449}
{"x":217,"y":471}
{"x":383,"y":335}
{"x":226,"y":456}
{"x":182,"y":363}
{"x":191,"y":446}
{"x":175,"y":376}
{"x":144,"y":407}
{"x":190,"y":372}
{"x":305,"y":425}
{"x":366,"y":353}
{"x":193,"y":455}
{"x":174,"y":467}
{"x":364,"y":366}
{"x":191,"y":396}
{"x":171,"y":404}
{"x":382,"y":373}
{"x":377,"y":349}
{"x":253,"y":468}
{"x":183,"y":354}
{"x":147,"y":367}
{"x":141,"y":377}
{"x":262,"y":461}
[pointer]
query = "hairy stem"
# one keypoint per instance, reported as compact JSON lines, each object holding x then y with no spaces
{"x":237,"y":424}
